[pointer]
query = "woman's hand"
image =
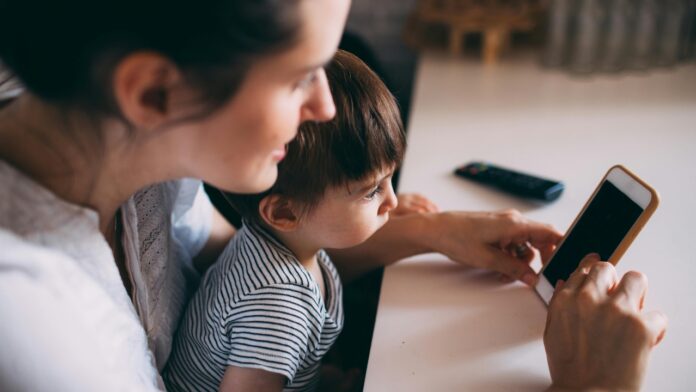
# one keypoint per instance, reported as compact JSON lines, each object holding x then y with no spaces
{"x":499,"y":241}
{"x":413,"y":203}
{"x":597,"y":336}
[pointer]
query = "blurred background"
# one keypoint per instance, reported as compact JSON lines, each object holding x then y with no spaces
{"x":578,"y":36}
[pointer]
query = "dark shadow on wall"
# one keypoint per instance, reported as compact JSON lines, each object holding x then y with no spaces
{"x":401,"y":89}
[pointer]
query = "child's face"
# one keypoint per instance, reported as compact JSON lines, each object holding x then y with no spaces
{"x":349,"y":215}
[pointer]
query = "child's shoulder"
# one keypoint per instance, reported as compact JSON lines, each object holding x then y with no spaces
{"x":256,"y":262}
{"x":328,"y":265}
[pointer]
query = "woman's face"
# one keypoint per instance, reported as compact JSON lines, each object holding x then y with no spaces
{"x":238,"y":147}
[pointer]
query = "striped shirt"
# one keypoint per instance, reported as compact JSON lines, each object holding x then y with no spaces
{"x":257,"y":307}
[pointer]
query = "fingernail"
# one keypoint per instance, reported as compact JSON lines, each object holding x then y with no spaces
{"x":529,"y":278}
{"x":521,"y":250}
{"x":593,"y":256}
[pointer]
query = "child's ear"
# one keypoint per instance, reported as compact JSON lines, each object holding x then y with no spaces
{"x":279,"y":213}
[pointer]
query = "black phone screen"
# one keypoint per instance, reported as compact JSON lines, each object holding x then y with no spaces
{"x":600,"y":229}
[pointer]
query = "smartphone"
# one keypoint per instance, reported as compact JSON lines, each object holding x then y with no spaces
{"x":612,"y":217}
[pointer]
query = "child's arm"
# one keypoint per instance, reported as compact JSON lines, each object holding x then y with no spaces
{"x":477,"y":239}
{"x":248,"y":379}
{"x":274,"y":334}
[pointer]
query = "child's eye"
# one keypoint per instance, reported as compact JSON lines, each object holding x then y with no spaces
{"x":307,"y":81}
{"x":374,"y":193}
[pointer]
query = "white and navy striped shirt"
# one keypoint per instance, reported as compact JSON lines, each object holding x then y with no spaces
{"x":257,"y":307}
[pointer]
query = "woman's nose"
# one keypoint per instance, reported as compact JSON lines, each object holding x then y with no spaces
{"x":319,"y":105}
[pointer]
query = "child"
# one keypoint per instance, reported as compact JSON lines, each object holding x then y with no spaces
{"x":271,"y":306}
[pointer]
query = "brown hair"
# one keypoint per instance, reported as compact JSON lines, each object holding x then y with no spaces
{"x":66,"y":51}
{"x":366,"y":136}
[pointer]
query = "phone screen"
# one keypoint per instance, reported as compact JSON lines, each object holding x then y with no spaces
{"x":600,"y":229}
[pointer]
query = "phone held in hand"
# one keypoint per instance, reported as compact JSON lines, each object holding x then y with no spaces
{"x":613,"y":216}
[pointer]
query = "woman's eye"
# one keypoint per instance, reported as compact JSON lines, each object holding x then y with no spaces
{"x":307,"y":81}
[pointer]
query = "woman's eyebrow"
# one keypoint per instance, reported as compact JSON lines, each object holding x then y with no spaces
{"x":314,"y":67}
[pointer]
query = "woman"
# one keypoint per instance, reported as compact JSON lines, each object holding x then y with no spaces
{"x":100,"y":231}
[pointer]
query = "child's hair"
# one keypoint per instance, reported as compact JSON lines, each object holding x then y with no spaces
{"x":366,"y":136}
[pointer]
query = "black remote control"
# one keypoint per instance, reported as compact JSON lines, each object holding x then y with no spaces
{"x":516,"y":183}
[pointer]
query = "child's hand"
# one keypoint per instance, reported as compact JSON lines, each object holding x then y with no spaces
{"x":413,"y":203}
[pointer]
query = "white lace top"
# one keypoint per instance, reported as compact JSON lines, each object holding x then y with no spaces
{"x":67,"y":323}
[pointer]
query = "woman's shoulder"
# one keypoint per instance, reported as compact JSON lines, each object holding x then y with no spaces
{"x":51,"y":307}
{"x":22,"y":257}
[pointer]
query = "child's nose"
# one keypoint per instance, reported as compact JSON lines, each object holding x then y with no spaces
{"x":390,"y":202}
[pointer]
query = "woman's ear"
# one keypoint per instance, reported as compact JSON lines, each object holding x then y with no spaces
{"x":279,"y":213}
{"x":142,"y":84}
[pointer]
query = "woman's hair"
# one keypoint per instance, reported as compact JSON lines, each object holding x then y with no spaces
{"x":365,"y":137}
{"x":65,"y":52}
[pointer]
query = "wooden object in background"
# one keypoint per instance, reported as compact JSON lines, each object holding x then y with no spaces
{"x":494,"y":19}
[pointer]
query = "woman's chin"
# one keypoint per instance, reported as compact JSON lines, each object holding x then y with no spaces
{"x":259,"y":187}
{"x":256,"y":184}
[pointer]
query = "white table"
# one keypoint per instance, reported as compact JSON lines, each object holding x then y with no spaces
{"x":441,"y":327}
